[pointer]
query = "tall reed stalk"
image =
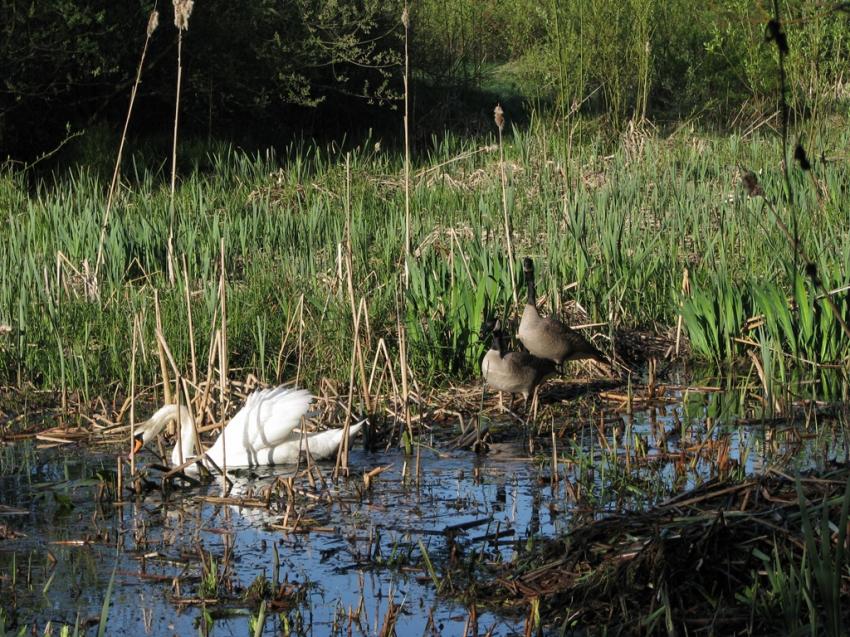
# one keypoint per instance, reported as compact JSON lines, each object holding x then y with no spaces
{"x":182,"y":12}
{"x":153,"y":23}
{"x":405,"y":20}
{"x":499,"y":118}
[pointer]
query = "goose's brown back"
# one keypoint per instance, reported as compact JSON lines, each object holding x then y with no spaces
{"x":550,"y":339}
{"x":547,"y":337}
{"x":515,"y":372}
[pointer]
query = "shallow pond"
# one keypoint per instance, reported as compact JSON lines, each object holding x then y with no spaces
{"x":347,"y":557}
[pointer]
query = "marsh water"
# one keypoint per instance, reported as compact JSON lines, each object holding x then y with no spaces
{"x":350,"y":557}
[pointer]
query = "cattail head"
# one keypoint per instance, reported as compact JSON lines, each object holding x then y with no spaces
{"x":405,"y":17}
{"x":499,"y":117}
{"x":153,"y":22}
{"x":182,"y":11}
{"x":751,"y":184}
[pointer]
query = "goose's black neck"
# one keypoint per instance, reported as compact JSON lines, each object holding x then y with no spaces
{"x":498,"y":343}
{"x":529,"y":283}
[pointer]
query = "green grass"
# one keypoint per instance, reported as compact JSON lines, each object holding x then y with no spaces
{"x":622,"y":218}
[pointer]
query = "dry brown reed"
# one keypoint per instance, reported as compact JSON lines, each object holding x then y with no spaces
{"x":405,"y":20}
{"x":182,"y":12}
{"x":163,"y":367}
{"x":499,"y":118}
{"x":222,"y":355}
{"x":153,"y":22}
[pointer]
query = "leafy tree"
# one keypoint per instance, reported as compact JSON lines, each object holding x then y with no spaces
{"x":72,"y":63}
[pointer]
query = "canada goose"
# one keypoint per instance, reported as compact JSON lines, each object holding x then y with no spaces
{"x":261,"y":433}
{"x":514,"y":372}
{"x":547,"y":337}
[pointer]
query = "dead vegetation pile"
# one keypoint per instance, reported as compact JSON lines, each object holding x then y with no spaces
{"x":762,"y":555}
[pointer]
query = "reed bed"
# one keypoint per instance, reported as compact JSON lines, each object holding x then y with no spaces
{"x":299,"y":244}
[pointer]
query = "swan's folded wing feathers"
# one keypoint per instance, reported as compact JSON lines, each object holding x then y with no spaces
{"x":269,"y":417}
{"x":236,"y":432}
{"x":324,"y":444}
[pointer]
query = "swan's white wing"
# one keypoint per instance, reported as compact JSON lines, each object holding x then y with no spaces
{"x":265,"y":421}
{"x":322,"y":444}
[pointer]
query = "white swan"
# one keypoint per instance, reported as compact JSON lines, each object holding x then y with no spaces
{"x":261,"y":433}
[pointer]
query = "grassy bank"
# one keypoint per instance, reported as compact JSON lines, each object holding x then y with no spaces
{"x":623,"y":219}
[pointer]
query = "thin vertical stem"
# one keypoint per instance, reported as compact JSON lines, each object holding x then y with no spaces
{"x":166,"y":383}
{"x":170,"y":255}
{"x":508,"y":228}
{"x":191,"y":323}
{"x":222,"y":358}
{"x":112,"y":184}
{"x":133,"y":395}
{"x":405,"y":18}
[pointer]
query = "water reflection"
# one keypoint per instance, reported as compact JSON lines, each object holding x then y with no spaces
{"x":357,"y":554}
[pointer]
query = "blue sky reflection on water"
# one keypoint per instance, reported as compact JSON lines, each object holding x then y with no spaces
{"x":365,"y":548}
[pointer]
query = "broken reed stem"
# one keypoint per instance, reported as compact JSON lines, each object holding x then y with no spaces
{"x":171,"y":209}
{"x":349,"y":265}
{"x":382,"y":350}
{"x":136,"y":332}
{"x":211,"y":355}
{"x":222,"y":357}
{"x":191,"y":324}
{"x":500,"y":124}
{"x":163,"y":367}
{"x":153,"y":21}
{"x":290,"y":323}
{"x":363,"y":310}
{"x":342,"y":454}
{"x":405,"y":19}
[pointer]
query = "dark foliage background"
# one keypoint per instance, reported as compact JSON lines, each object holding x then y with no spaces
{"x":258,"y":73}
{"x":255,"y":68}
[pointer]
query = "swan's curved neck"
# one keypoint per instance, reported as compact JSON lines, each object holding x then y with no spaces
{"x":185,"y":446}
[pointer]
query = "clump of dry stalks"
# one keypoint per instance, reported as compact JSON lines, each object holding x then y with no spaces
{"x":686,"y":561}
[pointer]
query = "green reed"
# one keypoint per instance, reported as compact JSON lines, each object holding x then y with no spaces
{"x":621,"y":218}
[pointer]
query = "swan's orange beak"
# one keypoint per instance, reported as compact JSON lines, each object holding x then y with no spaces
{"x":138,"y":443}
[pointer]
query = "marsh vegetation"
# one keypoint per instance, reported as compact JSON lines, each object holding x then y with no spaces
{"x":679,"y":178}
